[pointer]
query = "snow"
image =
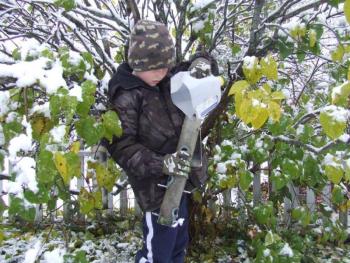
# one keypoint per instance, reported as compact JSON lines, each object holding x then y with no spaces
{"x":18,"y":143}
{"x":43,"y":108}
{"x":58,"y":133}
{"x":4,"y":102}
{"x":344,"y":138}
{"x":12,"y":116}
{"x":221,"y":168}
{"x":55,"y":256}
{"x":77,"y":92}
{"x":249,"y":62}
{"x":31,"y":254}
{"x":329,"y":160}
{"x":300,"y":129}
{"x":339,"y":114}
{"x":25,"y":176}
{"x":198,"y":25}
{"x":199,"y":4}
{"x":29,"y":73}
{"x":266,"y":252}
{"x":286,"y":251}
{"x":2,"y":136}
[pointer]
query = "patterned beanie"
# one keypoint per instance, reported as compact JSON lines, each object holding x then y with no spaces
{"x":150,"y":47}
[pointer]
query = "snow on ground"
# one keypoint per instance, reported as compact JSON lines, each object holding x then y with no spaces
{"x":27,"y":247}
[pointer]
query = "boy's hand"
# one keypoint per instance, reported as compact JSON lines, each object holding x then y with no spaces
{"x":177,"y":163}
{"x":200,"y":68}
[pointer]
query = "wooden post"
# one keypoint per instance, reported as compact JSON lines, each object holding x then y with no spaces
{"x":138,"y":211}
{"x":326,"y":194}
{"x":123,"y":197}
{"x":256,"y":189}
{"x":290,"y":204}
{"x":38,"y":214}
{"x":241,"y":195}
{"x":227,"y":195}
{"x":311,"y":200}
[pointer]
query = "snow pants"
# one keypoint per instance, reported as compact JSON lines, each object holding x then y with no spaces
{"x":163,"y":244}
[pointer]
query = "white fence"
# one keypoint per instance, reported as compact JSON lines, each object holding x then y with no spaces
{"x":122,"y":199}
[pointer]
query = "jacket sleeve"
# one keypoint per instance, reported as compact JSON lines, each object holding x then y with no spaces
{"x":136,"y":159}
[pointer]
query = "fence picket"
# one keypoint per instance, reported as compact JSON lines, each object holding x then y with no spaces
{"x":257,"y":189}
{"x":123,"y":198}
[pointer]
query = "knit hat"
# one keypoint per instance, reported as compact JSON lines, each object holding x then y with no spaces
{"x":150,"y":47}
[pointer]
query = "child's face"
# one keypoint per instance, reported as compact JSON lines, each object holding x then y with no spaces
{"x":152,"y":77}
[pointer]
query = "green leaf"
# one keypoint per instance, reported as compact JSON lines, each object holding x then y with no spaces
{"x":66,"y":4}
{"x":245,"y":179}
{"x":347,"y":10}
{"x":235,"y":49}
{"x":11,"y":130}
{"x":46,"y":169}
{"x":111,"y":124}
{"x":271,"y":238}
{"x":89,"y":130}
{"x":88,"y":95}
{"x":332,"y":127}
{"x":264,"y":213}
{"x":279,"y":180}
{"x":3,"y":207}
{"x":86,"y":201}
{"x":290,"y":168}
{"x":285,"y":48}
{"x":73,"y":164}
{"x":40,"y":197}
{"x":337,"y":195}
{"x":62,"y":103}
{"x":334,"y":174}
{"x":17,"y":208}
{"x":311,"y":171}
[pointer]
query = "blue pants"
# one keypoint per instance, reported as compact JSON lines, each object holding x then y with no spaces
{"x":163,"y":244}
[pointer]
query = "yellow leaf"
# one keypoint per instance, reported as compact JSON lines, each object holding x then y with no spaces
{"x":347,"y":10}
{"x":275,"y":111}
{"x":266,"y":87}
{"x":252,"y":69}
{"x":269,"y":67}
{"x":238,"y":87}
{"x":261,"y":118}
{"x":38,"y":125}
{"x":312,"y":37}
{"x":277,"y":95}
{"x":75,"y":147}
{"x":61,"y":165}
{"x":245,"y":111}
{"x":338,"y":54}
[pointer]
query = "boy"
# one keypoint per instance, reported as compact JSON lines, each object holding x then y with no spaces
{"x":140,"y":94}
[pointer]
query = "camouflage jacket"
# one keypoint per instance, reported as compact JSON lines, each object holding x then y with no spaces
{"x":151,"y":128}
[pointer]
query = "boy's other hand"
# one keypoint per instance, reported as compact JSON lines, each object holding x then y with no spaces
{"x":177,"y":163}
{"x":200,"y":68}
